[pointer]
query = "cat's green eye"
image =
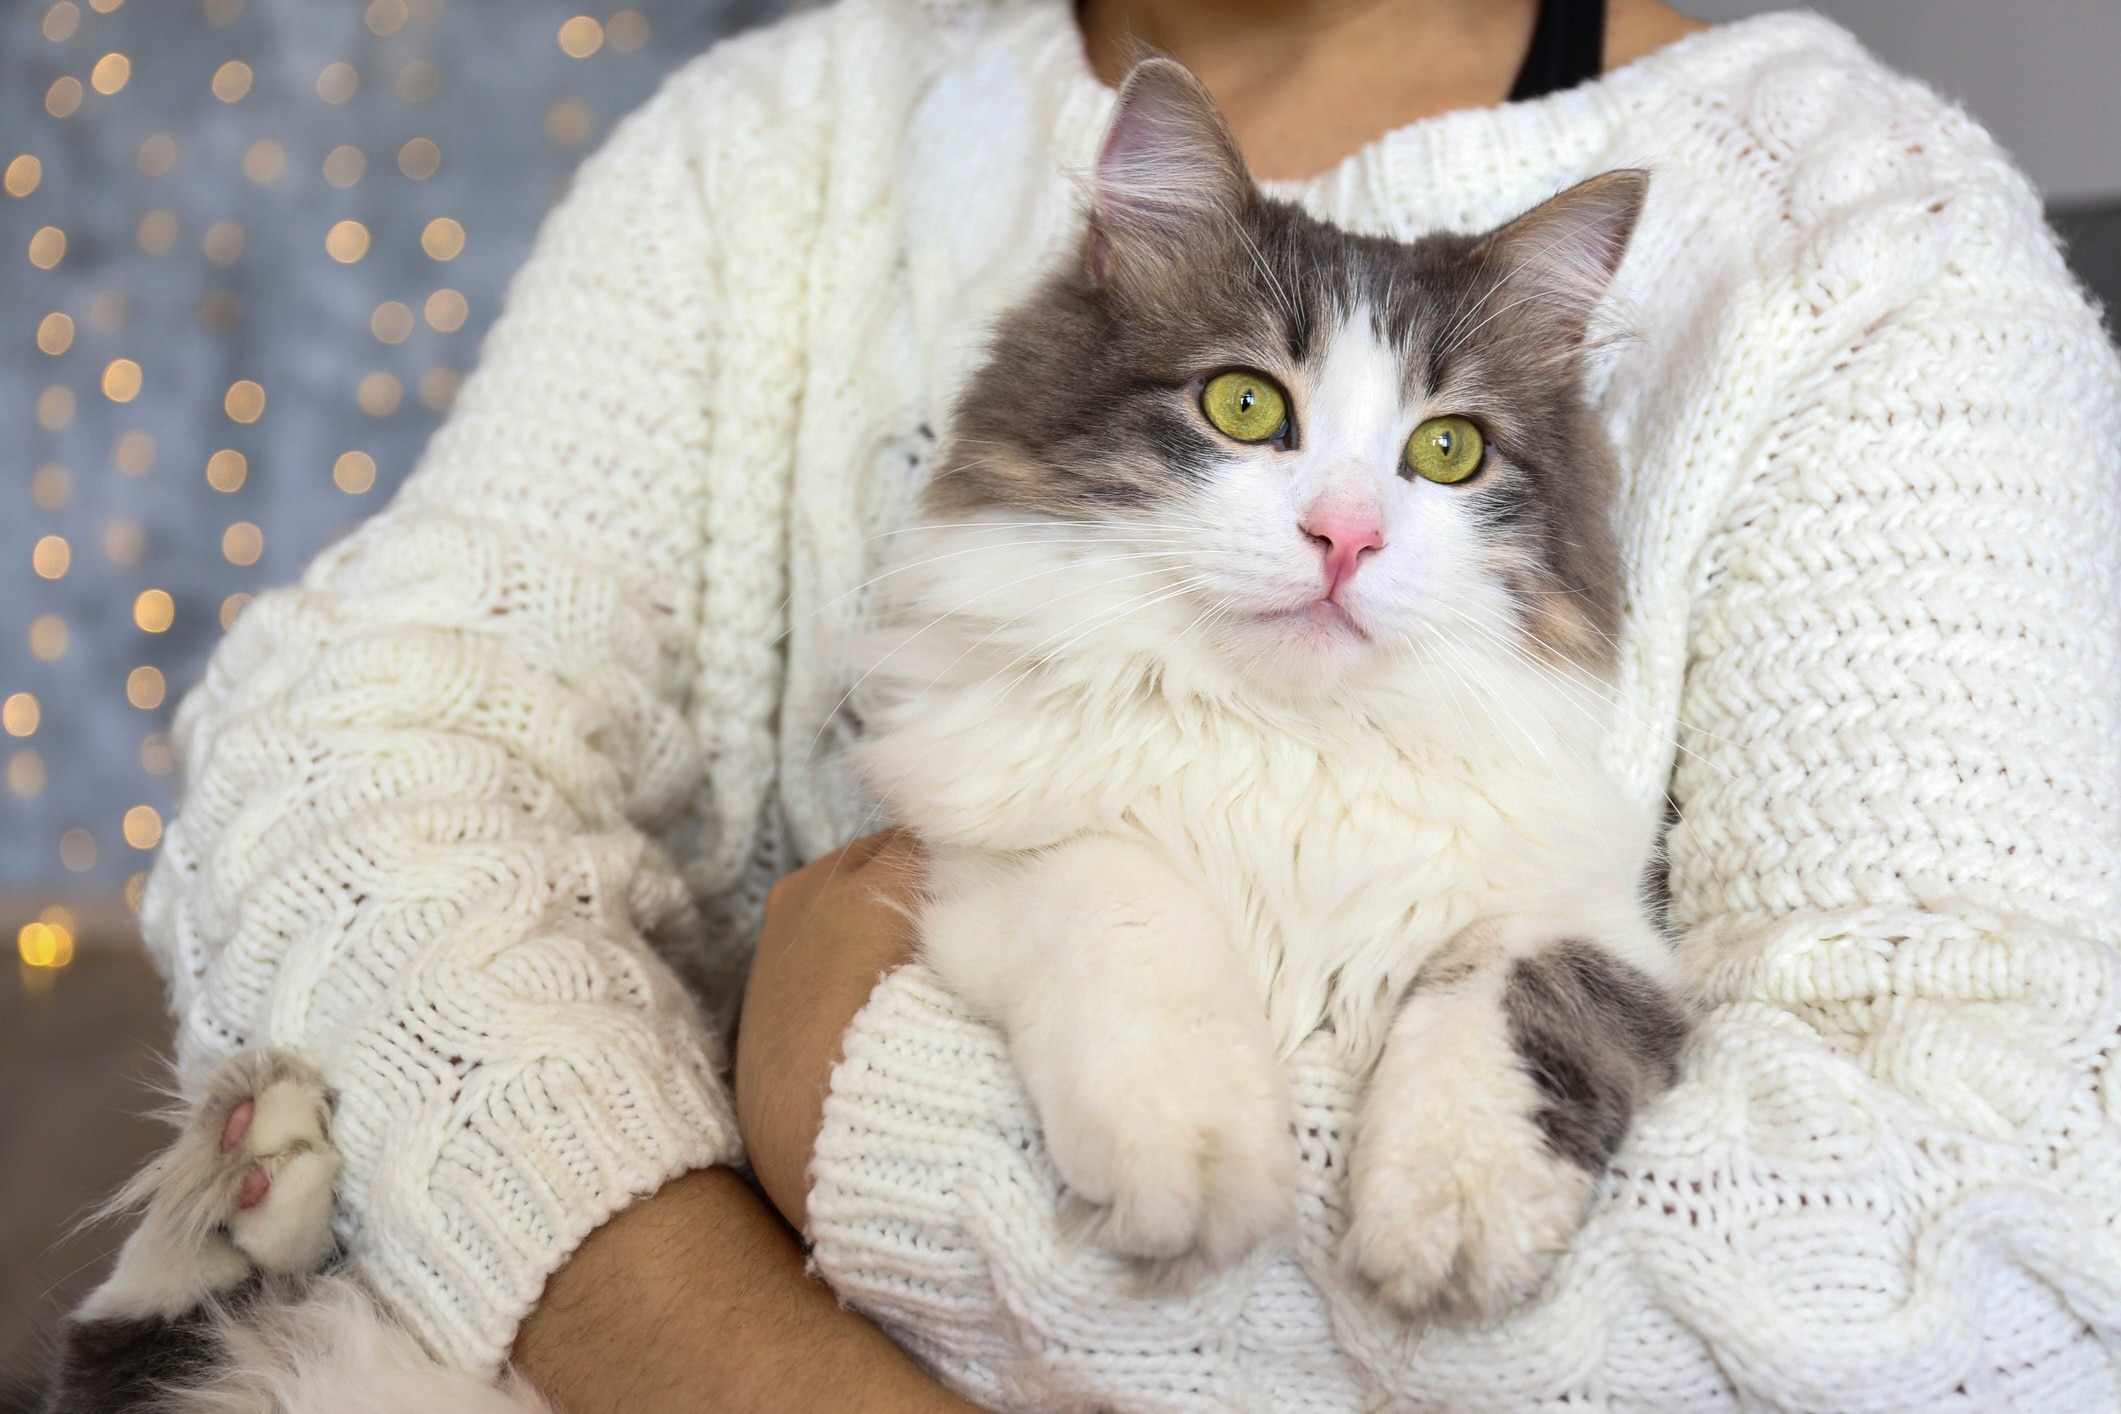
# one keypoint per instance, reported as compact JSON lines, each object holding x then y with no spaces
{"x":1445,"y":449}
{"x":1249,"y":407}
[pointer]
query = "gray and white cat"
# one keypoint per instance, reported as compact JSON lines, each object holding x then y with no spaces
{"x":1250,"y":677}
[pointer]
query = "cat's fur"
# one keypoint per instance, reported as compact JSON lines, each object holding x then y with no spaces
{"x":227,"y":1297}
{"x":1182,"y":811}
{"x":1193,"y":789}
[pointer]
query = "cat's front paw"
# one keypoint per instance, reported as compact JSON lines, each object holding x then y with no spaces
{"x":1176,"y":1139}
{"x":1468,"y":1216}
{"x":269,"y":1115}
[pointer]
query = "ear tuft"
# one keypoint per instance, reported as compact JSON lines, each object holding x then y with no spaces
{"x":1168,"y":173}
{"x":1563,"y":253}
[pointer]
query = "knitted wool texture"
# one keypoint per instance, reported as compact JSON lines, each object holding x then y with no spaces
{"x":572,"y":700}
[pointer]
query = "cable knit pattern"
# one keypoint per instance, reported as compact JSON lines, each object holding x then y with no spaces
{"x":562,"y":711}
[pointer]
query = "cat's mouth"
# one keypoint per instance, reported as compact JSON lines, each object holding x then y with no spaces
{"x":1320,"y":617}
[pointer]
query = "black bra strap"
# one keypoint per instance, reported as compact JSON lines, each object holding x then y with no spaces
{"x":1568,"y":46}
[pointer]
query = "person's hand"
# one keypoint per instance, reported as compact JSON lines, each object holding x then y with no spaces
{"x":832,"y":929}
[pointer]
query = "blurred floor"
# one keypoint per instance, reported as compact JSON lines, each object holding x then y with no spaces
{"x":80,"y":1049}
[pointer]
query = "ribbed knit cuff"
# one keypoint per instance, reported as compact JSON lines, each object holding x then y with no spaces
{"x":928,"y":1141}
{"x":525,"y":1168}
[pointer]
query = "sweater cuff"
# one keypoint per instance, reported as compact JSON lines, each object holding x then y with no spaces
{"x":464,"y":1223}
{"x":928,"y":1141}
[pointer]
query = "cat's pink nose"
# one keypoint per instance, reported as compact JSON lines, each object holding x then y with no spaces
{"x":1343,"y":537}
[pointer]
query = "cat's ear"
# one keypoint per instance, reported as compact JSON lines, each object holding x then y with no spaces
{"x":1560,"y":256}
{"x":1169,"y":172}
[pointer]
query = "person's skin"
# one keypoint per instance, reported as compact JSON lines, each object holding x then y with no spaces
{"x":695,"y":1298}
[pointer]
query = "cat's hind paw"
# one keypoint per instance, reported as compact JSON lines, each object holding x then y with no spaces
{"x":245,"y":1188}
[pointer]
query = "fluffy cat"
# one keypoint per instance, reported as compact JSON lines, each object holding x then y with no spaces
{"x":1248,"y":675}
{"x":227,"y":1297}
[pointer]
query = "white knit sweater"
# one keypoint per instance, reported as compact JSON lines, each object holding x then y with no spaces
{"x":579,"y":680}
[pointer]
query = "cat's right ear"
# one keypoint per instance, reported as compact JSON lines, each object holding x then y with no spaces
{"x":1168,"y":175}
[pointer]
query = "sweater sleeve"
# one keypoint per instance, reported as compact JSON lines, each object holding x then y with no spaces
{"x":1888,"y":1179}
{"x":424,"y":787}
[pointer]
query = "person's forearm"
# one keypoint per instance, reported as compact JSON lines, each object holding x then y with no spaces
{"x":696,"y":1299}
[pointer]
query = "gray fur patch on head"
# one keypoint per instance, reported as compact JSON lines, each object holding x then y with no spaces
{"x":1087,"y":407}
{"x":1599,"y":1037}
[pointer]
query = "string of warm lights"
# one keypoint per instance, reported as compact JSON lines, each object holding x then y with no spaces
{"x":91,"y":381}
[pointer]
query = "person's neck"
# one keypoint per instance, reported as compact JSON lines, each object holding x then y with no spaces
{"x":1306,"y":82}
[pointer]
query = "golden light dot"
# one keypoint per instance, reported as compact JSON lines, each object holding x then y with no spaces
{"x":55,"y":408}
{"x":112,"y":72}
{"x":154,"y":611}
{"x":143,"y":827}
{"x":581,"y":37}
{"x":124,"y":542}
{"x":226,"y":469}
{"x":344,"y":164}
{"x":420,"y":159}
{"x":338,"y":82}
{"x":379,"y":394}
{"x":77,"y":851}
{"x":20,"y":714}
{"x":104,"y":7}
{"x":157,"y":155}
{"x":242,"y":544}
{"x":447,"y":310}
{"x":22,"y":175}
{"x":135,"y":453}
{"x":63,"y":97}
{"x":223,"y":244}
{"x":627,"y":30}
{"x":418,"y":81}
{"x":443,"y":238}
{"x":567,"y":122}
{"x":107,"y":311}
{"x":51,"y":556}
{"x":60,"y":22}
{"x":157,"y":231}
{"x":222,"y":12}
{"x":387,"y":17}
{"x":51,"y":488}
{"x":354,"y":472}
{"x":232,"y":81}
{"x":121,"y":380}
{"x":230,"y":608}
{"x":439,"y":386}
{"x":264,"y":161}
{"x":346,"y":242}
{"x":392,"y":322}
{"x":25,"y":774}
{"x":47,"y":638}
{"x":244,"y":402}
{"x":158,"y":757}
{"x":45,"y":945}
{"x":47,"y":248}
{"x":135,"y":889}
{"x":55,"y":334}
{"x":144,"y":688}
{"x":219,"y":311}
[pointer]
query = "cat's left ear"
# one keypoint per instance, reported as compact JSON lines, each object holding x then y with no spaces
{"x":1560,"y":256}
{"x":1168,"y":175}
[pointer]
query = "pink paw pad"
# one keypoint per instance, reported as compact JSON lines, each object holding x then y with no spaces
{"x":256,"y":1184}
{"x":238,"y":1124}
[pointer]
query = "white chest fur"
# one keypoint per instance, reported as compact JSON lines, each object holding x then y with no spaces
{"x":1342,"y":837}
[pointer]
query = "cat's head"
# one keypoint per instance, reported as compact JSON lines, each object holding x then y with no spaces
{"x":1306,"y":448}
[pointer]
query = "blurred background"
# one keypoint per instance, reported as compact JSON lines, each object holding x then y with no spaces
{"x":247,"y":251}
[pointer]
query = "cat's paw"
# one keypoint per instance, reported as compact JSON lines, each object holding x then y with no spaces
{"x":1176,"y":1142}
{"x":269,"y":1114}
{"x":1466,"y":1220}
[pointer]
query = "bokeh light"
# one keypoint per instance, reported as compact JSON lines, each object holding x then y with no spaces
{"x":154,"y":611}
{"x":144,"y":687}
{"x":354,"y":472}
